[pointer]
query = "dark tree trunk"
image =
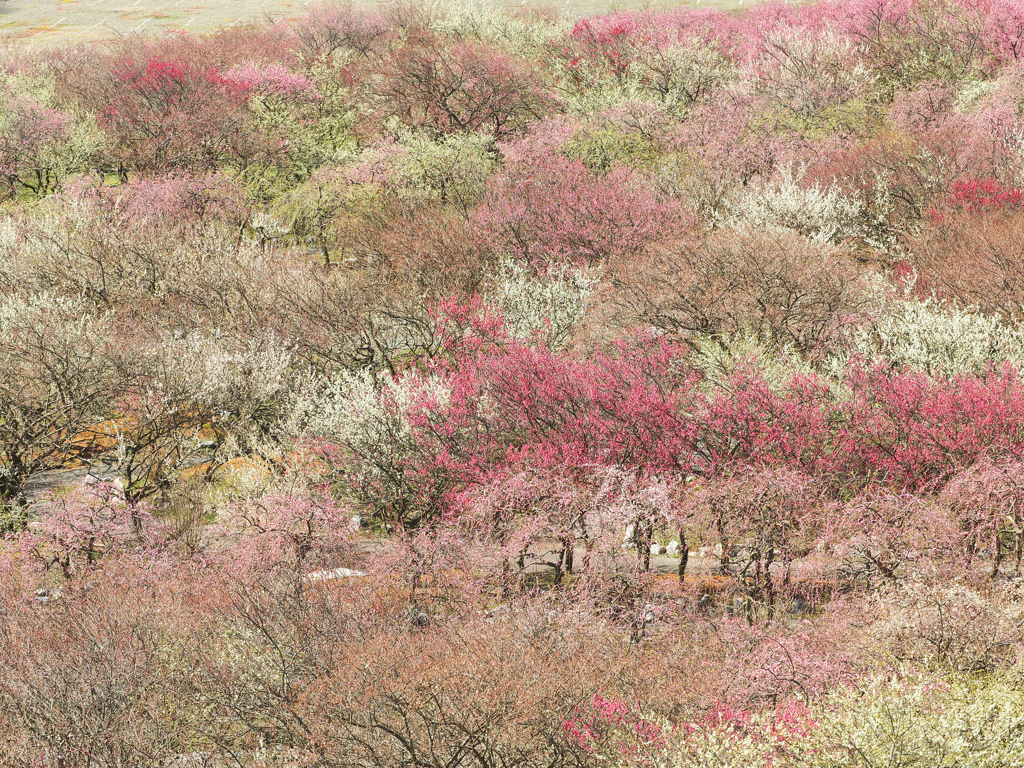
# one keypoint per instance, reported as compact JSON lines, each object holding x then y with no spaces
{"x":684,"y":555}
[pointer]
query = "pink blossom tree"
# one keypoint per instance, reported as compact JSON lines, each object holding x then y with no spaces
{"x":31,"y":138}
{"x":552,"y":210}
{"x":75,"y":532}
{"x":986,"y":500}
{"x":762,"y":521}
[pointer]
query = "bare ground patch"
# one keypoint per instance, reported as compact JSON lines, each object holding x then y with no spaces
{"x":58,"y":21}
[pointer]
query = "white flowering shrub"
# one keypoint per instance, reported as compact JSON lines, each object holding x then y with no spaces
{"x":603,"y":148}
{"x":24,"y":256}
{"x":364,"y":411}
{"x":910,"y":719}
{"x":318,"y":130}
{"x":899,"y":720}
{"x":679,"y":75}
{"x":67,"y":318}
{"x":940,"y":339}
{"x":821,"y":215}
{"x":198,"y":391}
{"x":241,"y":385}
{"x":266,"y":227}
{"x":883,"y":226}
{"x":807,"y":73}
{"x":86,"y":246}
{"x":451,"y":168}
{"x":367,"y":417}
{"x":946,"y":626}
{"x":675,"y":75}
{"x":643,"y":58}
{"x":719,"y":357}
{"x":515,"y":33}
{"x":542,"y":307}
{"x":973,"y":92}
{"x":749,"y":741}
{"x":42,"y":140}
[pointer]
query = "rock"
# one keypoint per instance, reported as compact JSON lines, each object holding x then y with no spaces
{"x":497,"y":610}
{"x":737,"y":607}
{"x":189,"y":760}
{"x":356,"y":521}
{"x":799,"y":606}
{"x":336,"y":573}
{"x":672,"y":550}
{"x":207,"y":445}
{"x":657,"y":549}
{"x":630,"y":530}
{"x":46,"y":596}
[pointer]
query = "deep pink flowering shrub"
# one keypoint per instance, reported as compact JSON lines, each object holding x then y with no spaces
{"x":914,"y":432}
{"x":271,"y":81}
{"x":512,"y":402}
{"x":750,"y":423}
{"x":978,"y":195}
{"x":510,"y":407}
{"x":169,"y":112}
{"x":904,"y":429}
{"x":607,"y":724}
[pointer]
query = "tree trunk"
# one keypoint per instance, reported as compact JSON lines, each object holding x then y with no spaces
{"x":684,"y":555}
{"x":568,"y":554}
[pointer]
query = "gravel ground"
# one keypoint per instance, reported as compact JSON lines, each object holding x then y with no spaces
{"x":49,"y":21}
{"x":60,"y":21}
